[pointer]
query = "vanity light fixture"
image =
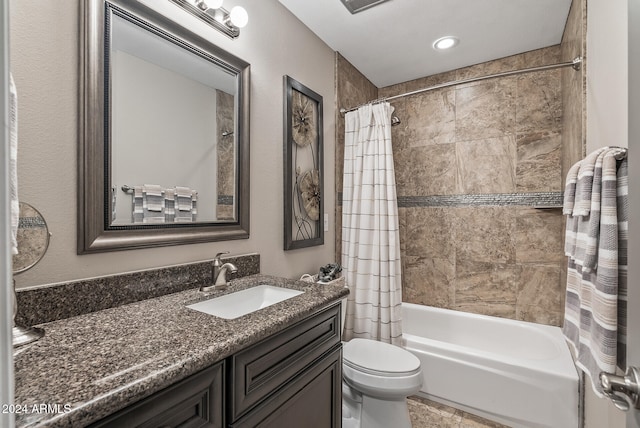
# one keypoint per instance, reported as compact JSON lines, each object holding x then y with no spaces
{"x":212,"y":12}
{"x":444,"y":43}
{"x":355,"y":6}
{"x":211,"y":4}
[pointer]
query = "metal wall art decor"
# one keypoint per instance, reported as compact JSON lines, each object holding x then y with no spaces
{"x":303,"y":175}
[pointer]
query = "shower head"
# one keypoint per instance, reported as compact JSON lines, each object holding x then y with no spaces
{"x":356,"y":6}
{"x":395,"y":120}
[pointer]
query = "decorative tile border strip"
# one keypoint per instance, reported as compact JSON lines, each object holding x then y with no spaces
{"x":534,"y":199}
{"x":225,"y":199}
{"x":539,"y":199}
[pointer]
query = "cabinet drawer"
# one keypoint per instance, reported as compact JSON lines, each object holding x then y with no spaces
{"x":312,"y":399}
{"x":195,"y":402}
{"x":266,"y":366}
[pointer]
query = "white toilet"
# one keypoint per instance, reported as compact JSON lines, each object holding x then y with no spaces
{"x":376,"y":379}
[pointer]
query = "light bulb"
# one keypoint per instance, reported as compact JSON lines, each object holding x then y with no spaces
{"x":445,"y":43}
{"x":215,"y":4}
{"x":238,"y":16}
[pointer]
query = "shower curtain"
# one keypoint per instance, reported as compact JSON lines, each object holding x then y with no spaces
{"x":370,"y":230}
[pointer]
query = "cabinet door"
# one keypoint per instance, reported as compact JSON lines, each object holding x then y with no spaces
{"x":196,"y":402}
{"x":257,"y":371}
{"x":313,"y":399}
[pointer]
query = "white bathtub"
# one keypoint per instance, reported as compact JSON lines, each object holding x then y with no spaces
{"x":517,"y":373}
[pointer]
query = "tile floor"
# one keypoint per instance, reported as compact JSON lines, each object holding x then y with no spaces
{"x":429,"y":414}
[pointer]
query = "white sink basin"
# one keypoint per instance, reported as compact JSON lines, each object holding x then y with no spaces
{"x":244,"y":302}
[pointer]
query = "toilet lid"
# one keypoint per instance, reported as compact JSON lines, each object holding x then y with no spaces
{"x":371,"y":355}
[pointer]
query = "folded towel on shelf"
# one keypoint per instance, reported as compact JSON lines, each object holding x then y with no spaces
{"x":596,"y":244}
{"x":13,"y":164}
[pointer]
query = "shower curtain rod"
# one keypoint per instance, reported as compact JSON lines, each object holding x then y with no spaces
{"x":575,"y":64}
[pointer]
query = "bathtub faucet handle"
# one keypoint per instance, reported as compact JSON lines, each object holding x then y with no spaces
{"x":626,"y":385}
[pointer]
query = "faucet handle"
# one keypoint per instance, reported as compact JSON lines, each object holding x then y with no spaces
{"x":219,"y":254}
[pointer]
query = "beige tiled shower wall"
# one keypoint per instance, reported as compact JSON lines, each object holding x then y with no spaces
{"x":574,"y":89}
{"x":574,"y":86}
{"x":226,"y":175}
{"x":496,"y":137}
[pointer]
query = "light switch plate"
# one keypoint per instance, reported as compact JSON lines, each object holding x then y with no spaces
{"x":326,"y":222}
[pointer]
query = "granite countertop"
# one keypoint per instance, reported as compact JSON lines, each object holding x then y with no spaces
{"x":90,"y":366}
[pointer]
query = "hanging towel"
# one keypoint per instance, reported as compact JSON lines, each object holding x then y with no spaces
{"x":596,"y":243}
{"x":169,"y":205}
{"x":183,"y":198}
{"x":138,"y":212}
{"x":583,"y":225}
{"x":152,"y":203}
{"x":194,"y":205}
{"x":584,"y":185}
{"x":184,"y":205}
{"x":114,"y":191}
{"x":13,"y":164}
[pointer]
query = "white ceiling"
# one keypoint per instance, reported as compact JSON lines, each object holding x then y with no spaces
{"x":391,"y":43}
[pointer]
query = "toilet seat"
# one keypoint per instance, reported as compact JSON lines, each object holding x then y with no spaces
{"x":381,"y":370}
{"x":379,"y":358}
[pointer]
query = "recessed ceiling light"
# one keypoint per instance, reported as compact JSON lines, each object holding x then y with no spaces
{"x":445,"y":43}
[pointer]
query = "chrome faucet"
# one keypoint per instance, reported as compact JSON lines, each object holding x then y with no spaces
{"x":219,"y":274}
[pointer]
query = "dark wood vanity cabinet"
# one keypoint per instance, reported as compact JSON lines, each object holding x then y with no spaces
{"x":313,"y":399}
{"x":195,"y":402}
{"x":290,"y":379}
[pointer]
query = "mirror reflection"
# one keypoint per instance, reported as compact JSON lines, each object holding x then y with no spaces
{"x":33,"y":238}
{"x":164,"y":133}
{"x":172,"y":131}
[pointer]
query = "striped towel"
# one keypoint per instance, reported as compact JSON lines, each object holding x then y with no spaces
{"x":138,"y":212}
{"x":185,"y":205}
{"x":114,"y":194}
{"x":194,"y":204}
{"x":152,"y":203}
{"x":170,"y":205}
{"x":596,"y":244}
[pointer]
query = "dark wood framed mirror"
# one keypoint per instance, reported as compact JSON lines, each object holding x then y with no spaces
{"x":164,"y":133}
